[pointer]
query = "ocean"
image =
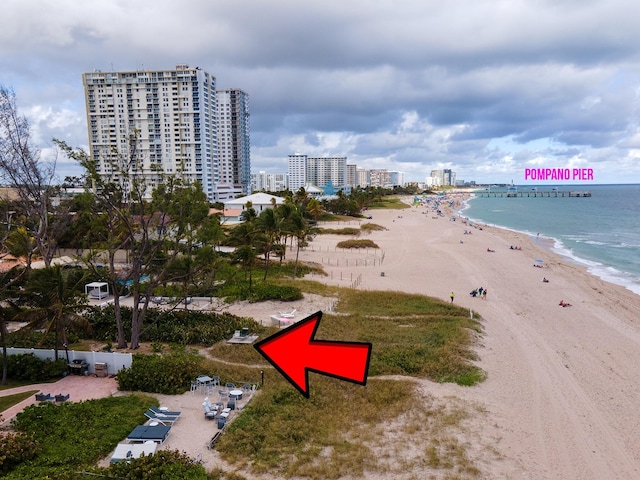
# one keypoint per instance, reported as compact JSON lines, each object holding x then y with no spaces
{"x":601,"y":232}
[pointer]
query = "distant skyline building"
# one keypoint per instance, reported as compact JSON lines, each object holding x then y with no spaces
{"x":442,"y":178}
{"x":297,"y":171}
{"x":318,"y":171}
{"x":324,"y":170}
{"x":271,"y":182}
{"x":175,"y":115}
{"x":352,"y":175}
{"x":234,"y":146}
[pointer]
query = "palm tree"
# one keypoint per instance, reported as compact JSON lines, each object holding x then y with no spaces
{"x":248,"y":240}
{"x":314,"y":208}
{"x":270,"y":223}
{"x":55,"y":297}
{"x":302,"y":230}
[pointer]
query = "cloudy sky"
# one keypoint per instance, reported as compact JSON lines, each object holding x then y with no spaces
{"x":487,"y":88}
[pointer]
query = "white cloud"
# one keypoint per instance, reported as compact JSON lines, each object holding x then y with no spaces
{"x":413,"y":84}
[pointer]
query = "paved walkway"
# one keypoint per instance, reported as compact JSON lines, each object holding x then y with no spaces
{"x":79,"y":388}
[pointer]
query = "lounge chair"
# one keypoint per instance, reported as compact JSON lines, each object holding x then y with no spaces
{"x":164,"y":412}
{"x":209,"y":413}
{"x":149,"y":433}
{"x":160,"y":417}
{"x":290,"y":314}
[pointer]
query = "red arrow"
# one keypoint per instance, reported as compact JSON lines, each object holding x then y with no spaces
{"x":294,"y":353}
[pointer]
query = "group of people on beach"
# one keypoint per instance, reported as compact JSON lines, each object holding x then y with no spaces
{"x":479,"y":292}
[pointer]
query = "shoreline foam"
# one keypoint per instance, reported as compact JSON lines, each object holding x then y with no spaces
{"x":605,"y":272}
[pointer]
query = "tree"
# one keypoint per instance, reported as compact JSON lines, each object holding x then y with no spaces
{"x":302,"y":231}
{"x":8,"y":309}
{"x":248,"y":240}
{"x":155,"y":232}
{"x":55,"y":298}
{"x":270,"y":223}
{"x":31,"y":180}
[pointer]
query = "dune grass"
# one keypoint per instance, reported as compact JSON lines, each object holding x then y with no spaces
{"x":390,"y":202}
{"x":346,"y":430}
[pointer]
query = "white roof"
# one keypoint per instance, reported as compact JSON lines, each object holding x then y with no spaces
{"x":259,"y":198}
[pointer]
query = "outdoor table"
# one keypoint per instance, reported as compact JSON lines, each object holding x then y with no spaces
{"x":237,"y":394}
{"x":204,"y":379}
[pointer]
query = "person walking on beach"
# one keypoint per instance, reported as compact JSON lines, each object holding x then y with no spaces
{"x":452,"y":295}
{"x":484,"y":294}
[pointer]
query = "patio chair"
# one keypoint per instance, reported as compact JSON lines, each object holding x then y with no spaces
{"x":208,"y":413}
{"x":230,"y":385}
{"x":62,"y":398}
{"x":42,"y":397}
{"x":157,"y":410}
{"x":231,"y":404}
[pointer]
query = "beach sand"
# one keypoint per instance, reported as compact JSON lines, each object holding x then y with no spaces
{"x":560,"y":400}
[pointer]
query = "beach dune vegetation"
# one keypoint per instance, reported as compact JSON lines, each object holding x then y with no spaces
{"x":357,"y":244}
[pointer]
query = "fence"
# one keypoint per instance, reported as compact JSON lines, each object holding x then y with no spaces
{"x":115,"y":361}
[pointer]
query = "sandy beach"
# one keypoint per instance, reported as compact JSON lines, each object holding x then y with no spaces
{"x":562,"y":389}
{"x":562,"y":386}
{"x":561,"y":395}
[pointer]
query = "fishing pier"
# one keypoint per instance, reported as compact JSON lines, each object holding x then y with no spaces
{"x":531,"y":193}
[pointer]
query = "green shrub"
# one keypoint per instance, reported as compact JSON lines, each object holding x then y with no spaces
{"x":15,"y":448}
{"x":165,"y":464}
{"x":186,"y":327}
{"x":29,"y":367}
{"x":74,"y":435}
{"x":168,"y":374}
{"x":357,"y":244}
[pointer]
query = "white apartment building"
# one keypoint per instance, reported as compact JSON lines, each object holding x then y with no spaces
{"x":174,"y":115}
{"x":297,"y":171}
{"x":234,"y":164}
{"x":271,"y":182}
{"x":442,"y":178}
{"x":363,"y":177}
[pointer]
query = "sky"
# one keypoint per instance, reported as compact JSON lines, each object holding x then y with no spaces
{"x":487,"y":88}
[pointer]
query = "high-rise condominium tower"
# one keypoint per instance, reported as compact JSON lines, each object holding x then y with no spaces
{"x":174,"y":116}
{"x":233,"y":143}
